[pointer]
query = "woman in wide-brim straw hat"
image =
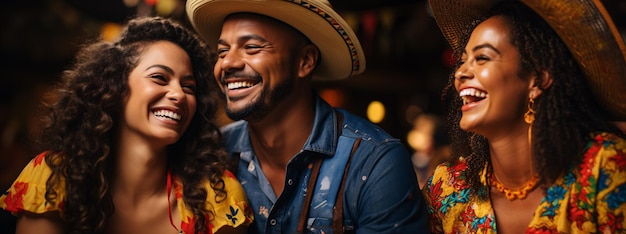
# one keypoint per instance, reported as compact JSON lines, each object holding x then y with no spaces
{"x":531,"y":104}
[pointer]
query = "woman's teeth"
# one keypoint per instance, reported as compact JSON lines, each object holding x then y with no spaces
{"x":167,"y":114}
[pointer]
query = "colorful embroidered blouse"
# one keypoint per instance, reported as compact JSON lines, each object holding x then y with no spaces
{"x":590,"y":198}
{"x":28,"y":194}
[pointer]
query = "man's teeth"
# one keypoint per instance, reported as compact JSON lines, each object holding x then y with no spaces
{"x":167,"y":114}
{"x":238,"y":85}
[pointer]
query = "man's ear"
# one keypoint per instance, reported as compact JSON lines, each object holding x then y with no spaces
{"x":539,"y":83}
{"x":309,"y":55}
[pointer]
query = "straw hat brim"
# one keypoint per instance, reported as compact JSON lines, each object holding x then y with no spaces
{"x":341,"y":52}
{"x":584,"y":26}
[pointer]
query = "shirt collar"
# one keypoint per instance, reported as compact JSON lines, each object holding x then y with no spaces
{"x":322,"y":140}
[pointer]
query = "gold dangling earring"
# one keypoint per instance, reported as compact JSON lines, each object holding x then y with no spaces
{"x":529,"y":118}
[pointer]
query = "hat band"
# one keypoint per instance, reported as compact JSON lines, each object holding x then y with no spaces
{"x":353,"y":52}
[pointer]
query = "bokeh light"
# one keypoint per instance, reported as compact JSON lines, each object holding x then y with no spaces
{"x":376,"y":111}
{"x":165,"y":7}
{"x":110,"y":31}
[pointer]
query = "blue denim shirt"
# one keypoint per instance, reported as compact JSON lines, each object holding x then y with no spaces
{"x":381,"y":194}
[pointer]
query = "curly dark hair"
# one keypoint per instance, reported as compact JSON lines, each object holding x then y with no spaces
{"x":567,"y":113}
{"x":80,"y":131}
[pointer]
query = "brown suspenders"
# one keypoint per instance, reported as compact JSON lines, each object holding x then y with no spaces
{"x":338,"y":208}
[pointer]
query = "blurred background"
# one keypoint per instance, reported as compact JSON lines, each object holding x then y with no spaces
{"x":408,"y":62}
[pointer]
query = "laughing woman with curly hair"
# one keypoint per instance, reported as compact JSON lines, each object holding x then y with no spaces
{"x":131,"y":145}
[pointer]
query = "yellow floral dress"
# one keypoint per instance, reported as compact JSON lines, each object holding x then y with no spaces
{"x":589,"y":198}
{"x":28,"y":194}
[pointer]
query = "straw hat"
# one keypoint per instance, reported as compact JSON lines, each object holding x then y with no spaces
{"x":584,"y":26}
{"x":341,"y":52}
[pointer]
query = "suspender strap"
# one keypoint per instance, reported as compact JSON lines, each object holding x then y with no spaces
{"x":338,"y":210}
{"x":309,"y":189}
{"x":315,"y":171}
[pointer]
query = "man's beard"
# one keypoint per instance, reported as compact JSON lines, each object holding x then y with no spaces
{"x":261,"y":106}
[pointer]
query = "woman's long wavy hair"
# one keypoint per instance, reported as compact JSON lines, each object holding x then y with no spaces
{"x":566,"y":112}
{"x":82,"y":125}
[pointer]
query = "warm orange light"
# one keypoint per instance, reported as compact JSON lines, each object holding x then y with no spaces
{"x":334,"y":97}
{"x":110,"y":31}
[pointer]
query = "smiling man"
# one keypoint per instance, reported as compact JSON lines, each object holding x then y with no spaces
{"x":305,"y":166}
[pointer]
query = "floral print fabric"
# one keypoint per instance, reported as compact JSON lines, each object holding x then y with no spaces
{"x":590,"y":198}
{"x":28,"y":194}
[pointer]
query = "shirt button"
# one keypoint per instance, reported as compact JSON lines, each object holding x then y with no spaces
{"x":290,"y":182}
{"x":273,"y":222}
